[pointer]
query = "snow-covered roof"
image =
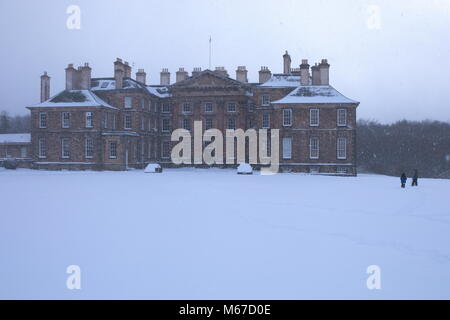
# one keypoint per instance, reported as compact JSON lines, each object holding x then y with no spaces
{"x":74,"y":98}
{"x":110,"y":84}
{"x":282,"y":81}
{"x":314,"y":94}
{"x":162,"y":92}
{"x":15,"y":138}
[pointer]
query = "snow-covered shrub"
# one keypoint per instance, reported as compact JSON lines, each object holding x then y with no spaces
{"x":244,"y":168}
{"x":153,"y":168}
{"x":10,"y":163}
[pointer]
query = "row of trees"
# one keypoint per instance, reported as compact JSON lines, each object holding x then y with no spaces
{"x":404,"y":146}
{"x":381,"y":148}
{"x":14,"y":124}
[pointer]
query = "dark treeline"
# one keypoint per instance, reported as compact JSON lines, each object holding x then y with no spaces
{"x":404,"y":146}
{"x":14,"y":124}
{"x":381,"y":148}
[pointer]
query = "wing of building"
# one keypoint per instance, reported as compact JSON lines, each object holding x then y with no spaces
{"x":119,"y":122}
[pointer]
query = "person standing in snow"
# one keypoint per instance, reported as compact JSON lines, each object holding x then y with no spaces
{"x":414,"y":178}
{"x":403,"y":179}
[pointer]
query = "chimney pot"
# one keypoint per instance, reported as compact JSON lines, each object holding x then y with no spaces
{"x":165,"y":77}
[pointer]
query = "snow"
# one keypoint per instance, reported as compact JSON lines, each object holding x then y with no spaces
{"x":15,"y":138}
{"x":209,"y":234}
{"x":161,"y":92}
{"x":282,"y":81}
{"x":244,"y":168}
{"x":91,"y":100}
{"x":152,"y":168}
{"x":314,"y":94}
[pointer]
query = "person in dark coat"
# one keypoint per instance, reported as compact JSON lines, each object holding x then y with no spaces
{"x":414,"y":178}
{"x":403,"y":179}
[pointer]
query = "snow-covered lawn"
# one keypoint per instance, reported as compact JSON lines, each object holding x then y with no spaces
{"x":213,"y":234}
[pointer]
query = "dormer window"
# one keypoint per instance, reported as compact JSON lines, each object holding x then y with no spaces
{"x":265,"y":100}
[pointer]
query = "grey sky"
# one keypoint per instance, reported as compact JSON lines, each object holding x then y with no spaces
{"x":399,"y":70}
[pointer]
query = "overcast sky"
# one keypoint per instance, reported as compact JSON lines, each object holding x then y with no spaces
{"x":392,"y":56}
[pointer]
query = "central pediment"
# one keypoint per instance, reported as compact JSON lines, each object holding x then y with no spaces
{"x":208,"y":79}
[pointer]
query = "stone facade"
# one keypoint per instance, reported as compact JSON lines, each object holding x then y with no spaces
{"x":117,"y":123}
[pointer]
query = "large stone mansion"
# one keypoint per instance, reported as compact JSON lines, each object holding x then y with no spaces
{"x":118,"y":122}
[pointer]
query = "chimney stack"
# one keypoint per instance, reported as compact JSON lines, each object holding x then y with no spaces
{"x":70,"y":77}
{"x":264,"y":74}
{"x":222,"y":71}
{"x":119,"y":73}
{"x":127,"y":70}
{"x":165,"y":77}
{"x":181,"y":75}
{"x":304,"y":73}
{"x":315,"y":75}
{"x":241,"y":74}
{"x":141,"y":76}
{"x":286,"y":63}
{"x":196,"y":71}
{"x":45,"y":87}
{"x":324,"y":70}
{"x":85,"y":77}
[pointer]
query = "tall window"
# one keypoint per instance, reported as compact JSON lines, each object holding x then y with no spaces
{"x":187,"y":124}
{"x":342,"y":117}
{"x":142,"y":103}
{"x":231,"y":123}
{"x":89,"y":120}
{"x":114,"y":121}
{"x":142,"y":123}
{"x":23,"y":152}
{"x":127,"y":121}
{"x":287,"y":148}
{"x":165,"y":149}
{"x":314,"y":148}
{"x":89,"y":147}
{"x":187,"y":107}
{"x":266,"y":120}
{"x":208,"y":107}
{"x":165,"y":108}
{"x":65,"y":148}
{"x":150,"y":149}
{"x":265,"y":100}
{"x":165,"y":125}
{"x":42,"y":120}
{"x":287,"y":117}
{"x":113,"y":150}
{"x":314,"y":117}
{"x":231,"y":107}
{"x":65,"y":119}
{"x":42,"y":145}
{"x":128,"y":101}
{"x":105,"y":120}
{"x":208,"y":123}
{"x":342,"y":148}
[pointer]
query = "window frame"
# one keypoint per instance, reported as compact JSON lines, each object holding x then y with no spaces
{"x":265,"y":100}
{"x":128,"y":99}
{"x":233,"y":121}
{"x":127,"y":121}
{"x":163,"y":156}
{"x":340,"y":150}
{"x":89,"y":148}
{"x":169,"y":124}
{"x":338,"y":120}
{"x":65,"y":125}
{"x":234,"y":104}
{"x":183,"y":107}
{"x":263,"y":120}
{"x":205,"y":109}
{"x":42,"y":148}
{"x":311,"y":112}
{"x":113,"y":155}
{"x":89,"y":119}
{"x":65,"y":148}
{"x":284,"y":117}
{"x":290,"y":139}
{"x":311,"y":146}
{"x":43,"y":120}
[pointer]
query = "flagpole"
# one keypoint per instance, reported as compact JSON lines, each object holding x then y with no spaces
{"x":209,"y":52}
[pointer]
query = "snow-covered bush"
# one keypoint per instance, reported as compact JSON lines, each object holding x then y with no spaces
{"x":244,"y":168}
{"x":153,"y":168}
{"x":10,"y":163}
